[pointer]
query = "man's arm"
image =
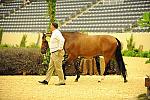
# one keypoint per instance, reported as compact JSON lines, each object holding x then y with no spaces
{"x":48,"y":34}
{"x":61,"y":42}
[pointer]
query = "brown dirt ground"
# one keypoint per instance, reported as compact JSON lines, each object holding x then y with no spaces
{"x":88,"y":88}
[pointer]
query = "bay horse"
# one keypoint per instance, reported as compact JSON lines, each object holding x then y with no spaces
{"x":45,"y":50}
{"x":44,"y":45}
{"x":78,"y":44}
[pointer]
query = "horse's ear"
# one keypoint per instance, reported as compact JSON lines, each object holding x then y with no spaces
{"x":49,"y":33}
{"x":43,"y":34}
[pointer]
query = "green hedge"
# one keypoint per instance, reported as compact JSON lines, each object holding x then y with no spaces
{"x":28,"y":61}
{"x":19,"y":61}
{"x":148,"y":61}
{"x":136,"y":53}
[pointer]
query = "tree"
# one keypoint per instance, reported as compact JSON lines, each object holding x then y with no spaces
{"x":51,"y":11}
{"x":145,"y":20}
{"x":1,"y":34}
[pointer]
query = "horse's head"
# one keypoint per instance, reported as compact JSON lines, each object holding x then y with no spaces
{"x":44,"y":37}
{"x":44,"y":45}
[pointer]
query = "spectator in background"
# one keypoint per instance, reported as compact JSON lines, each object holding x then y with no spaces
{"x":26,"y":2}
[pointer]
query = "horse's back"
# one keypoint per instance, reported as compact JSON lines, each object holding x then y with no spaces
{"x":95,"y":44}
{"x":96,"y":40}
{"x":88,"y":45}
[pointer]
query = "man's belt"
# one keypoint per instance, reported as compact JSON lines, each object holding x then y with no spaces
{"x":55,"y":51}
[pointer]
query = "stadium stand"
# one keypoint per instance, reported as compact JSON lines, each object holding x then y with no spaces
{"x":6,"y":8}
{"x":33,"y":17}
{"x":74,"y":15}
{"x":109,"y":17}
{"x":140,"y":29}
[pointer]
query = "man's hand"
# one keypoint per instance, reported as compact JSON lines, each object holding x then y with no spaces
{"x":59,"y":50}
{"x":48,"y":34}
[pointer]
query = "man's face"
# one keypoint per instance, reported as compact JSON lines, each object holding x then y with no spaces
{"x":52,"y":27}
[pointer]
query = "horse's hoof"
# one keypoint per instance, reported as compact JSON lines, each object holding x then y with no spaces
{"x":76,"y":81}
{"x":125,"y":81}
{"x":99,"y":81}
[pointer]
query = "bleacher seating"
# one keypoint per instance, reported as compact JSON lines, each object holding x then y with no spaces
{"x":141,"y":29}
{"x":34,"y":17}
{"x":7,"y":8}
{"x":89,"y":15}
{"x":109,"y":17}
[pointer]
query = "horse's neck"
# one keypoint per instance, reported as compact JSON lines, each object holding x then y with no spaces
{"x":45,"y":44}
{"x":67,"y":36}
{"x":71,"y":35}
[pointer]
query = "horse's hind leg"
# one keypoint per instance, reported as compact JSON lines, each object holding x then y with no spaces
{"x":107,"y":57}
{"x":121,"y":65}
{"x":69,"y":61}
{"x":77,"y":65}
{"x":64,"y":64}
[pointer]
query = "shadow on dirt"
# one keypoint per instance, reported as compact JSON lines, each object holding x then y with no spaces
{"x":142,"y":97}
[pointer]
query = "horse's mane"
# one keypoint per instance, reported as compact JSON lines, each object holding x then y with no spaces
{"x":72,"y":33}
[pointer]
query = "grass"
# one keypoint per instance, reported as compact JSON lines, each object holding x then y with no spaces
{"x":142,"y":97}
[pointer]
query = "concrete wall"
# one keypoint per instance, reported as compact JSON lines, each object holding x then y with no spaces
{"x":138,"y":38}
{"x":15,"y":38}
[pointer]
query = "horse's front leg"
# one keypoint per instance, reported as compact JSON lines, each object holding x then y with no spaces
{"x":77,"y":65}
{"x":64,"y":64}
{"x":104,"y":62}
{"x":64,"y":71}
{"x":68,"y":61}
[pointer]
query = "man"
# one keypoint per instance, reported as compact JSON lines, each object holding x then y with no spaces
{"x":26,"y":2}
{"x":57,"y":53}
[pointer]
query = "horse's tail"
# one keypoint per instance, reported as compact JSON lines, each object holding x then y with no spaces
{"x":119,"y":59}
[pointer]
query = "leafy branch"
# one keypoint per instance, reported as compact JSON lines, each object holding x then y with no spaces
{"x":51,"y":11}
{"x":145,"y":21}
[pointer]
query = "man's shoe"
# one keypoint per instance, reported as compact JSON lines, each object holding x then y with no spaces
{"x":43,"y":82}
{"x":58,"y":84}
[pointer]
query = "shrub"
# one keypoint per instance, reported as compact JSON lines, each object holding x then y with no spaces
{"x":21,"y":61}
{"x":148,"y":61}
{"x":136,"y":53}
{"x":26,"y":61}
{"x":145,"y":54}
{"x":4,"y":45}
{"x":130,"y":53}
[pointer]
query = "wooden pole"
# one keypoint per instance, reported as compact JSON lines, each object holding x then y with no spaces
{"x":102,"y":65}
